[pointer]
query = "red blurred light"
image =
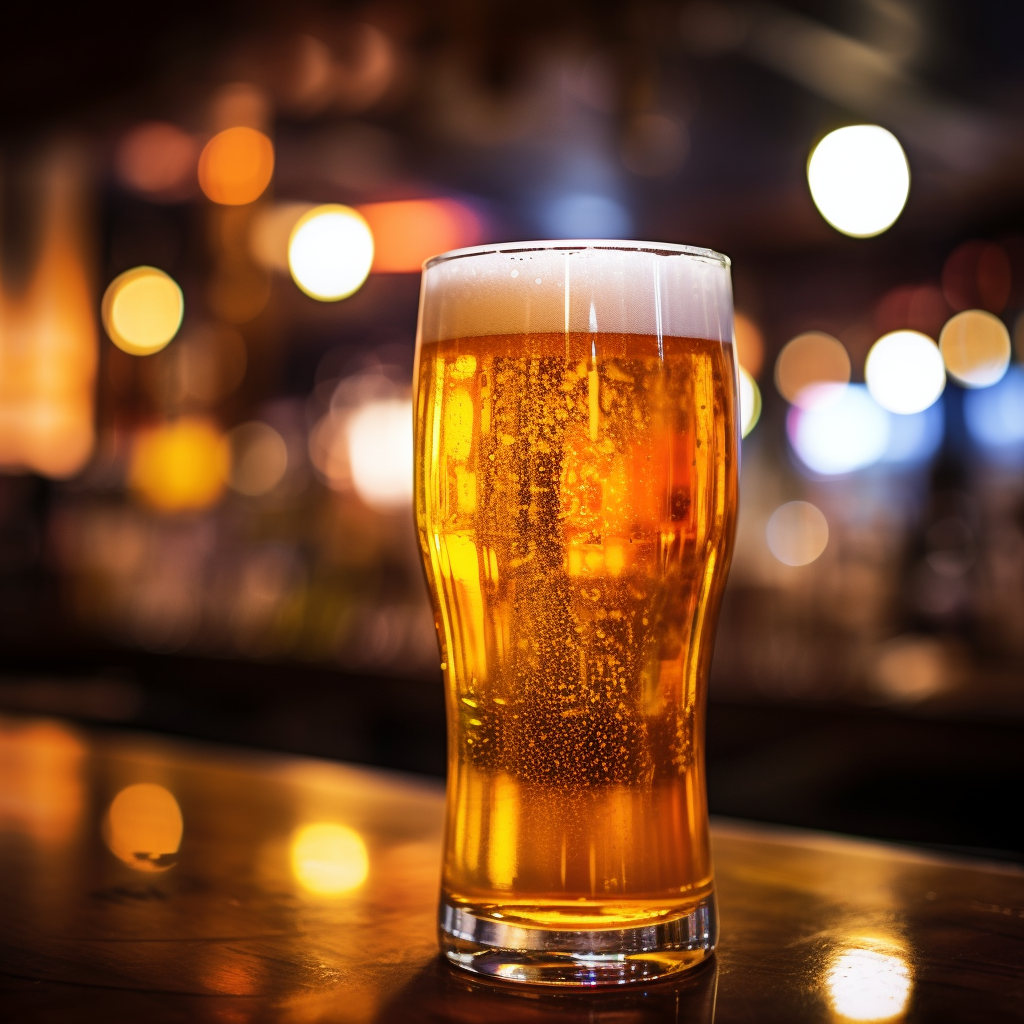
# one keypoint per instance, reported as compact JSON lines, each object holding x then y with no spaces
{"x":407,"y":232}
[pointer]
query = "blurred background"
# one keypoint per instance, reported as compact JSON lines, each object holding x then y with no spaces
{"x":212,"y":218}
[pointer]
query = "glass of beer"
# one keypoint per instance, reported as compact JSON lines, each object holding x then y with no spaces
{"x":576,"y":492}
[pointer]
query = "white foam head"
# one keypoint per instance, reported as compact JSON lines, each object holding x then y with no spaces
{"x":578,"y":285}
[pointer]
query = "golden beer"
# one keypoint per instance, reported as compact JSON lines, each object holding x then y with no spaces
{"x":576,"y":496}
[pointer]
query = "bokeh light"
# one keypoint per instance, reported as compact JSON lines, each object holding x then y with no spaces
{"x":916,"y":437}
{"x":159,"y":160}
{"x":859,"y":179}
{"x":181,"y":465}
{"x":586,"y":215}
{"x":271,"y":230}
{"x":142,"y":310}
{"x":329,"y":859}
{"x":750,"y":402}
{"x":407,"y":232}
{"x":844,"y":434}
{"x":143,"y":827}
{"x":259,"y":458}
{"x":869,"y":983}
{"x":236,"y":165}
{"x":380,"y":453}
{"x":749,"y":343}
{"x":797,"y":533}
{"x":809,"y":360}
{"x":976,"y":348}
{"x":911,"y":668}
{"x":904,"y":372}
{"x":995,"y":416}
{"x":330,"y":252}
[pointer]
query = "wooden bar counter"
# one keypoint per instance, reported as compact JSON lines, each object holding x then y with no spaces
{"x":146,"y":880}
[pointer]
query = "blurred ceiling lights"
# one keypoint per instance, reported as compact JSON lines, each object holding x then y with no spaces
{"x":329,"y":859}
{"x":407,"y":232}
{"x":842,"y":435}
{"x":859,"y":179}
{"x":809,"y":360}
{"x":158,"y":160}
{"x":380,"y":454}
{"x":797,"y":533}
{"x":180,"y":466}
{"x":143,"y":827}
{"x":142,"y":310}
{"x":904,"y":372}
{"x":236,"y":165}
{"x":976,"y":349}
{"x":750,"y":402}
{"x":995,"y":416}
{"x":330,"y":252}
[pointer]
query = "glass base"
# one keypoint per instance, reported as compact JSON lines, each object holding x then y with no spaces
{"x":580,"y":958}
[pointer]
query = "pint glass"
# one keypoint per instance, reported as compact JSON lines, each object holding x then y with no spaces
{"x":576,"y":486}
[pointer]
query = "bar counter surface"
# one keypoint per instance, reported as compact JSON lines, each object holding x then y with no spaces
{"x":148,"y":880}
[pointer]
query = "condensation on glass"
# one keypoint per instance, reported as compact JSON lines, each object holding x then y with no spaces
{"x":576,"y":476}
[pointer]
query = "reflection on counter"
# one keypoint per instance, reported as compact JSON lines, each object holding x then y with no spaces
{"x":869,"y":981}
{"x":329,"y":859}
{"x":143,"y":827}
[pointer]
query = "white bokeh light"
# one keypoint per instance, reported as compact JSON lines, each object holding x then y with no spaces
{"x":750,"y":403}
{"x":380,"y":453}
{"x":859,"y":179}
{"x":330,"y":252}
{"x":846,"y":433}
{"x":904,"y":372}
{"x":867,"y":984}
{"x":797,"y":533}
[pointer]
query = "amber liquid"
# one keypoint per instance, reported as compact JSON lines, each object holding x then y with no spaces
{"x":575,"y":499}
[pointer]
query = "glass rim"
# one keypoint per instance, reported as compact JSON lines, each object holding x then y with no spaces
{"x":611,"y":244}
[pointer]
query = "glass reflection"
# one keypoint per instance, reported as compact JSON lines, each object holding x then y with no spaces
{"x":869,"y":981}
{"x":143,"y":827}
{"x":329,"y":859}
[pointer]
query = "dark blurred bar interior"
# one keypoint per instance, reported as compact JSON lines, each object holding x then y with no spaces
{"x":205,"y":506}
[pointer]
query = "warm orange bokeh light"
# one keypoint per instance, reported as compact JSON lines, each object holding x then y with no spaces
{"x":236,"y":166}
{"x":181,"y":465}
{"x":407,"y":232}
{"x":749,"y":344}
{"x":143,"y":827}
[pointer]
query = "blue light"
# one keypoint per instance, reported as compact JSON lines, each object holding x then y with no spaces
{"x":586,"y":215}
{"x":995,"y":416}
{"x":915,"y":438}
{"x":846,"y":433}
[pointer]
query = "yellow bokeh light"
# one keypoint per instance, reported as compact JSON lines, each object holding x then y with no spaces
{"x":904,"y":372}
{"x":181,"y":465}
{"x":859,"y":179}
{"x":808,"y":361}
{"x":797,"y":533}
{"x":976,"y":348}
{"x":236,"y":166}
{"x":330,"y":252}
{"x":750,"y":402}
{"x":142,"y":310}
{"x":329,"y":859}
{"x":869,"y":981}
{"x":749,"y":343}
{"x":143,"y":827}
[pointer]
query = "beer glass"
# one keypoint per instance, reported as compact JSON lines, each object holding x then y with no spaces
{"x":576,"y":489}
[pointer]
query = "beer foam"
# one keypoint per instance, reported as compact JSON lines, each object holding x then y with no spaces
{"x":587,"y":286}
